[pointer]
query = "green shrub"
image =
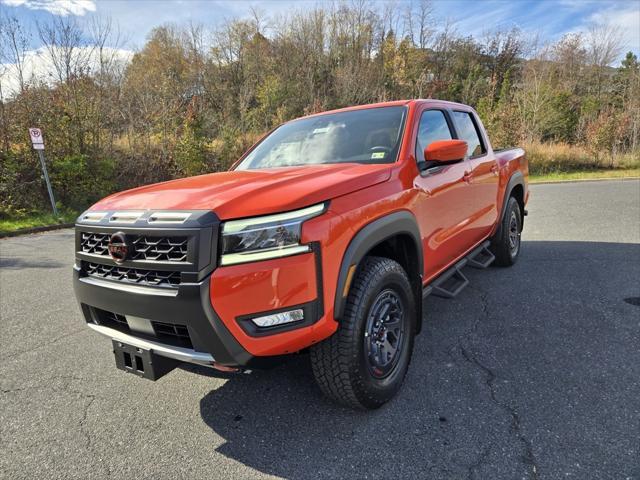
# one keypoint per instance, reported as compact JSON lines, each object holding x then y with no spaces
{"x":22,"y":188}
{"x":78,"y":181}
{"x":190,"y":155}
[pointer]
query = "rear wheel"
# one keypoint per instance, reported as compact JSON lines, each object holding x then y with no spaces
{"x":506,"y":244}
{"x":364,"y":363}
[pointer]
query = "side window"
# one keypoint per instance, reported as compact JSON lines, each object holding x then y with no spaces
{"x":468,"y":131}
{"x":433,"y":126}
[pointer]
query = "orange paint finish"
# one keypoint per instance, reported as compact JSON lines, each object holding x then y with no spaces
{"x":248,"y":193}
{"x":259,"y":287}
{"x":445,"y":150}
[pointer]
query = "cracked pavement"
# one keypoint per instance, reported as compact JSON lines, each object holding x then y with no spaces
{"x":533,"y":372}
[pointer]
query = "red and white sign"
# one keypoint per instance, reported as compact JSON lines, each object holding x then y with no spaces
{"x":36,"y":138}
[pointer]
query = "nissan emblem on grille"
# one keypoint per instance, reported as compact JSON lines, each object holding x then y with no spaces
{"x":118,"y":247}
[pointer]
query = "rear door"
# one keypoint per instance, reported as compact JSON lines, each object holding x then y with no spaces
{"x":442,"y":206}
{"x":483,"y":183}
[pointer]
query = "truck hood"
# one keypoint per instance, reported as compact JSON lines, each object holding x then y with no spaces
{"x":246,"y":193}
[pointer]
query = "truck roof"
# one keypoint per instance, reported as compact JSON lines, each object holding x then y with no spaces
{"x":393,"y":103}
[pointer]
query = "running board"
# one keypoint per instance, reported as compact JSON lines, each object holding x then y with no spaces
{"x":453,"y":281}
{"x":481,"y":257}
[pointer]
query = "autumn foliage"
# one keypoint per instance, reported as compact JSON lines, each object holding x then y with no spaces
{"x":192,"y":99}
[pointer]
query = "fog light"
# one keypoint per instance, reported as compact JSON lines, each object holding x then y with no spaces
{"x":279,"y":318}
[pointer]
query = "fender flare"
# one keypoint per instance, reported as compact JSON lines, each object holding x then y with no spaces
{"x":369,"y":236}
{"x":517,"y":178}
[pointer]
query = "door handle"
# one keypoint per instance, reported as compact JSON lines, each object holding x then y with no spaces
{"x":495,"y":169}
{"x":467,"y":177}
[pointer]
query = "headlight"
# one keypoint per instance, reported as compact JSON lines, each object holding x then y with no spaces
{"x":262,"y":238}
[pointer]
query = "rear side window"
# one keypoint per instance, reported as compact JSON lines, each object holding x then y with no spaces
{"x":433,"y":126}
{"x":468,"y":131}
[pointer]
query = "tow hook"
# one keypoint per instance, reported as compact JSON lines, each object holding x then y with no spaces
{"x":224,"y":368}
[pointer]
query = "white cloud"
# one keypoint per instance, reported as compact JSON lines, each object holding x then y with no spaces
{"x":38,"y":66}
{"x":577,"y":4}
{"x":55,"y":7}
{"x":626,"y":20}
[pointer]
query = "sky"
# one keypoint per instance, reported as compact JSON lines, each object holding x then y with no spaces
{"x":547,"y":19}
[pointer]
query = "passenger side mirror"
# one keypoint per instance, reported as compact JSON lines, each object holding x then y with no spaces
{"x":445,"y":151}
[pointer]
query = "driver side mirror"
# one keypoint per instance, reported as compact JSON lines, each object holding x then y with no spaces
{"x":445,"y":151}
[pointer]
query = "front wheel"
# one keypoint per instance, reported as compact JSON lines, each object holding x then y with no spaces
{"x":364,"y":363}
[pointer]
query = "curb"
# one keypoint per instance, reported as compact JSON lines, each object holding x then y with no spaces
{"x":580,"y":180}
{"x":26,"y":231}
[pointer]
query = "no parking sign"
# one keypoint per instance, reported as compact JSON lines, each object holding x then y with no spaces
{"x":36,"y":138}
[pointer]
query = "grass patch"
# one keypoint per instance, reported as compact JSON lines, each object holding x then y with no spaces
{"x":586,"y":175}
{"x":561,"y":158}
{"x":38,"y":220}
{"x":558,"y":162}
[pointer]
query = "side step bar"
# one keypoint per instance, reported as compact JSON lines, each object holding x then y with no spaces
{"x":450,"y":283}
{"x":481,"y":257}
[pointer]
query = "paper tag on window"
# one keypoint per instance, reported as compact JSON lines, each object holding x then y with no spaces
{"x":378,"y":155}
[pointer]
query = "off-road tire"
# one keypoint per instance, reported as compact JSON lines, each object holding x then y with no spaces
{"x":341,"y":364}
{"x":502,"y":244}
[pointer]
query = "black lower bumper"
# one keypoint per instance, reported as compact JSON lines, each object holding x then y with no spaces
{"x":189,"y":306}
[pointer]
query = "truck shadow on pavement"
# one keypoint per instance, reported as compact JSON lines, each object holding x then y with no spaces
{"x":500,"y":384}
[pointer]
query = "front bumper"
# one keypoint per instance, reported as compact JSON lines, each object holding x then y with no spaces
{"x":177,"y":353}
{"x":216,"y":311}
{"x":190,"y":304}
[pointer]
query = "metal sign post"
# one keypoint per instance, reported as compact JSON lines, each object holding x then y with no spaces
{"x":38,"y":144}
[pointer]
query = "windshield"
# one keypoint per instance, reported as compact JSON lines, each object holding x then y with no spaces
{"x":371,"y":135}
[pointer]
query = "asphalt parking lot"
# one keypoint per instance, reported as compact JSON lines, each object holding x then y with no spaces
{"x":532,"y":373}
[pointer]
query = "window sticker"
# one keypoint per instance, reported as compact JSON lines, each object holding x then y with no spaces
{"x":376,"y":155}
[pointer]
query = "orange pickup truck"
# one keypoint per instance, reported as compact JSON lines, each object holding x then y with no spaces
{"x":323,"y":238}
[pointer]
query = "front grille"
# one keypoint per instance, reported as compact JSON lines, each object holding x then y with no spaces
{"x":137,"y":276}
{"x":95,"y":243}
{"x":167,"y":333}
{"x":145,"y":247}
{"x":160,"y":249}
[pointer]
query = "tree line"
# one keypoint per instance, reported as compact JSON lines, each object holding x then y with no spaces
{"x":193,"y":98}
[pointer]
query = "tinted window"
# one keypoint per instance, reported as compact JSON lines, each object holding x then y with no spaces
{"x":433,"y":126}
{"x":467,"y":131}
{"x":371,"y":135}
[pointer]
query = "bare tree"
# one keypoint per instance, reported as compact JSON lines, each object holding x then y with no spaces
{"x":258,"y":18}
{"x":570,"y":55}
{"x":3,"y":71}
{"x":62,"y":38}
{"x":502,"y":49}
{"x":65,"y":44}
{"x":14,"y":43}
{"x":424,"y":19}
{"x":604,"y":44}
{"x":104,"y":40}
